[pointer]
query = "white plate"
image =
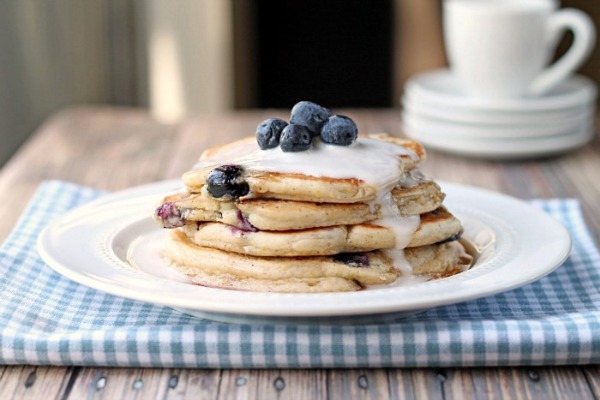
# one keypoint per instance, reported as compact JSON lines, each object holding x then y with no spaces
{"x":503,"y":148}
{"x":96,"y":244}
{"x":425,"y":109}
{"x":439,"y":87}
{"x":486,"y":131}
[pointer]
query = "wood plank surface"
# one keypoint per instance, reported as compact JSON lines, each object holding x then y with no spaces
{"x":115,"y":148}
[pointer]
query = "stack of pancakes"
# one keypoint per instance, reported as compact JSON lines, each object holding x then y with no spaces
{"x":330,"y":219}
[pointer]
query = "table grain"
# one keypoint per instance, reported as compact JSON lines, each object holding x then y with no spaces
{"x":112,"y":148}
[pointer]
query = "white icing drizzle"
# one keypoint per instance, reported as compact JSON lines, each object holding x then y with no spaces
{"x":413,"y":178}
{"x":403,"y":228}
{"x":373,"y":161}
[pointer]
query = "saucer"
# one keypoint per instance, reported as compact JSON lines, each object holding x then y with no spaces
{"x":449,"y":129}
{"x":504,"y":148}
{"x":439,"y":87}
{"x":425,"y":109}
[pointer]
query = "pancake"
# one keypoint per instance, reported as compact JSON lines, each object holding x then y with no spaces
{"x":279,"y":215}
{"x":438,"y":260}
{"x":307,"y":242}
{"x":264,"y":182}
{"x":419,"y":198}
{"x":375,"y":267}
{"x":434,"y":227}
{"x":340,"y":273}
{"x":275,"y":215}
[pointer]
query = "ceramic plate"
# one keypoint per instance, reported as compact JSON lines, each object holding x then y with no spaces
{"x":113,"y":245}
{"x":497,"y":118}
{"x":502,"y":148}
{"x":486,"y":131}
{"x":441,"y":88}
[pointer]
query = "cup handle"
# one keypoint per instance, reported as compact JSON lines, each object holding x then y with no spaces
{"x":584,"y":38}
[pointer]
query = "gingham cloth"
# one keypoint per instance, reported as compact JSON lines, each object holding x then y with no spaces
{"x":48,"y":319}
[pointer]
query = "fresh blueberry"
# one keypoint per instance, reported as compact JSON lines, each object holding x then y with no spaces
{"x":353,"y":259}
{"x":295,"y":138}
{"x":245,"y":224}
{"x":339,"y":130}
{"x":169,"y":216}
{"x":311,"y":115}
{"x":223,"y":182}
{"x":456,"y":236}
{"x":269,"y":132}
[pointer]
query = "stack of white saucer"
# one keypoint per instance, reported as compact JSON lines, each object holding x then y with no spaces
{"x":438,"y":113}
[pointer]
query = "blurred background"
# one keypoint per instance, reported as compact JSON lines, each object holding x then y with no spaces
{"x":182,"y":58}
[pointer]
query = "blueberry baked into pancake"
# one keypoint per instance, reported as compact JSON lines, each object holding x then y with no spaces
{"x":310,"y":206}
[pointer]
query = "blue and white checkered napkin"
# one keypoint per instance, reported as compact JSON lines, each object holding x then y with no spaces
{"x":48,"y":319}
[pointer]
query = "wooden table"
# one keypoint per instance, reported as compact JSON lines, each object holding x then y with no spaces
{"x":115,"y":148}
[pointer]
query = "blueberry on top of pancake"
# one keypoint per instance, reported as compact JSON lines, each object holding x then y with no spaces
{"x":223,"y":182}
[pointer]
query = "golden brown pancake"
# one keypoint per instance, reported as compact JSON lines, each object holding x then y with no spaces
{"x":294,"y":186}
{"x":435,"y":227}
{"x":281,"y":215}
{"x":345,"y":272}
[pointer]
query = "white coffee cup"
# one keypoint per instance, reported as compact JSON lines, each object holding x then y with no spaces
{"x":502,"y":48}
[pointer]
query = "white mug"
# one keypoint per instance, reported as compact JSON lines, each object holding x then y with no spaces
{"x":502,"y":48}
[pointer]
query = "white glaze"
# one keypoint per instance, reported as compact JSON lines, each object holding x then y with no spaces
{"x":373,"y":161}
{"x":403,"y":228}
{"x":413,"y":178}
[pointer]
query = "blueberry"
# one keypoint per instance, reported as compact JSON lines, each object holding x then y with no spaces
{"x":268,"y":133}
{"x":353,"y":259}
{"x":223,"y":182}
{"x":169,"y":216}
{"x":245,"y":224}
{"x":339,"y":130}
{"x":311,"y":115}
{"x":456,"y":236}
{"x":295,"y":138}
